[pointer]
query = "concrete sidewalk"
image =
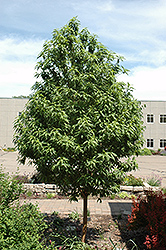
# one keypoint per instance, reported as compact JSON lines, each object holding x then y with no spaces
{"x":64,"y":206}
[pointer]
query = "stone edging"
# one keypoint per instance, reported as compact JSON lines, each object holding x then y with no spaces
{"x":136,"y":189}
{"x":43,"y":188}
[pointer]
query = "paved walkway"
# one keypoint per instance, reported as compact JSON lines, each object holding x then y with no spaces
{"x":148,"y":165}
{"x":63,"y":206}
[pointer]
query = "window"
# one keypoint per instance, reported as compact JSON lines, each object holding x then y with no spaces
{"x":162,"y":143}
{"x":149,"y":143}
{"x":163,"y":118}
{"x":150,"y":118}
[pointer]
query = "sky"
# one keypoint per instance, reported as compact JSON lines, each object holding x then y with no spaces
{"x":135,"y":29}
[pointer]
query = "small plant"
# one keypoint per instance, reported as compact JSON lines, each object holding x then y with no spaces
{"x":55,"y":213}
{"x":50,"y":195}
{"x":9,"y":149}
{"x":131,"y":180}
{"x":156,"y":152}
{"x":164,"y":190}
{"x":124,"y":195}
{"x":72,"y":243}
{"x":101,"y":233}
{"x":88,"y":212}
{"x":64,"y":235}
{"x":154,"y":180}
{"x":29,"y":193}
{"x":74,"y":216}
{"x":112,"y":196}
{"x":116,"y":246}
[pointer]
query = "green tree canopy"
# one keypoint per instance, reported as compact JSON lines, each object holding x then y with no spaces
{"x":79,"y":121}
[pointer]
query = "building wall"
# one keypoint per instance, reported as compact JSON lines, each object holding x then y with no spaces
{"x":155,"y":131}
{"x":9,"y":110}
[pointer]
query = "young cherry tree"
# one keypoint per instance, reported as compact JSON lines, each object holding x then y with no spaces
{"x":79,"y":121}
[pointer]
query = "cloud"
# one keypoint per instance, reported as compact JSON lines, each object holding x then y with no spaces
{"x":16,"y":78}
{"x":97,"y":6}
{"x":17,"y":63}
{"x":133,"y":25}
{"x":26,"y":50}
{"x":105,"y":6}
{"x":156,"y":58}
{"x":148,"y":83}
{"x":134,"y":29}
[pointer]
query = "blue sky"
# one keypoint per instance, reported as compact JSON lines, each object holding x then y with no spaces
{"x":135,"y":29}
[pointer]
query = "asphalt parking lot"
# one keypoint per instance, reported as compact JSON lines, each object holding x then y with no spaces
{"x":9,"y":163}
{"x":148,"y":166}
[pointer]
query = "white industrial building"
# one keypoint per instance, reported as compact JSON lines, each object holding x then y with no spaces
{"x":9,"y":110}
{"x":154,"y":117}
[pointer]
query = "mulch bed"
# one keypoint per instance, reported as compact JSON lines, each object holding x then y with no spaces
{"x":103,"y":231}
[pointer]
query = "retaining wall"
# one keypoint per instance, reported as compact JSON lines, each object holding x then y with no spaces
{"x":42,"y":189}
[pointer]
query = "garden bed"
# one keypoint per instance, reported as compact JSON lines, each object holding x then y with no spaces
{"x":104,"y":231}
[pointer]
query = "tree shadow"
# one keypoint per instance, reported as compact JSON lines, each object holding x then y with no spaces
{"x":120,"y":212}
{"x":65,"y":231}
{"x":119,"y":207}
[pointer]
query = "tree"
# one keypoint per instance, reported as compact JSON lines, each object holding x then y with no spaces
{"x":79,"y":121}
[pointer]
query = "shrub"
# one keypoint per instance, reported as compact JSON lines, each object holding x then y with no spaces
{"x":10,"y":189}
{"x":21,"y":227}
{"x":154,"y":180}
{"x":131,"y":180}
{"x":150,"y":212}
{"x":145,"y":151}
{"x":36,"y":178}
{"x":124,"y":195}
{"x":156,"y":152}
{"x":153,"y":151}
{"x":22,"y":178}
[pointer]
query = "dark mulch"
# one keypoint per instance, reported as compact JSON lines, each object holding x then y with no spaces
{"x":103,"y":231}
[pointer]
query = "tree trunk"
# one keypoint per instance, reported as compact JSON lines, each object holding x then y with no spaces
{"x":84,"y":229}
